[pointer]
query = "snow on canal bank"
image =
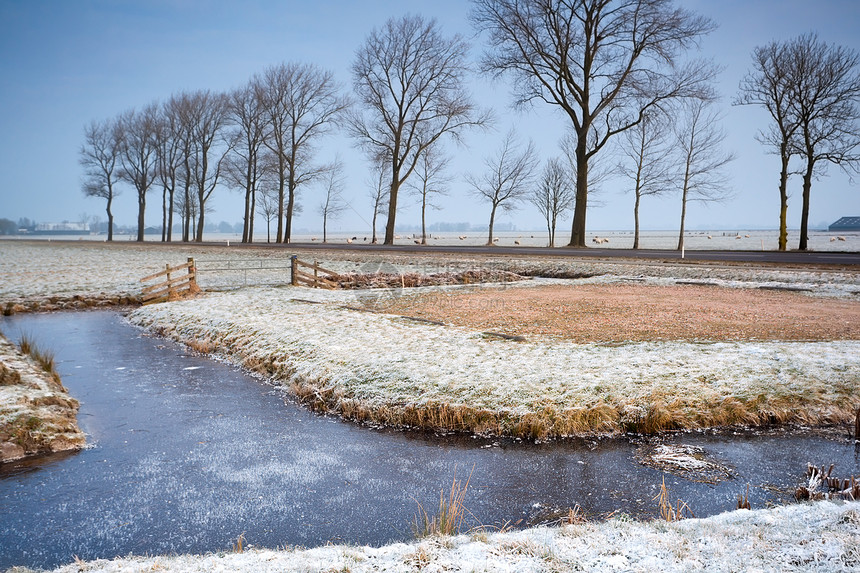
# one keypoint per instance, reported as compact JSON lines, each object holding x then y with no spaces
{"x":389,"y":369}
{"x":823,"y":536}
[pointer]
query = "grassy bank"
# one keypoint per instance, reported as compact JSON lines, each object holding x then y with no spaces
{"x":389,"y":370}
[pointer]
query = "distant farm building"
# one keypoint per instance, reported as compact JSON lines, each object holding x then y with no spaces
{"x":64,"y":228}
{"x":845,"y":224}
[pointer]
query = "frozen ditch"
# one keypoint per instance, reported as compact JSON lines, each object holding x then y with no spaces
{"x":188,"y":453}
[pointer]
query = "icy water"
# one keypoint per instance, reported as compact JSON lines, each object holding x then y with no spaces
{"x":187,"y":454}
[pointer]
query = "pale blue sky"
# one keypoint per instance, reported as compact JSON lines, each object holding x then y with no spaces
{"x":65,"y":63}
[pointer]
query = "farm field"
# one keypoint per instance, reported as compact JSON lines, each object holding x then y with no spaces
{"x":624,"y":347}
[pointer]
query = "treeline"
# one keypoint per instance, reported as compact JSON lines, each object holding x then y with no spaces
{"x":638,"y":106}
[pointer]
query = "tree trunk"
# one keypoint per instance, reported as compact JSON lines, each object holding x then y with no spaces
{"x":783,"y":202}
{"x":424,"y":219}
{"x":291,"y":202}
{"x":164,"y":215}
{"x":280,"y":234}
{"x":683,"y":217}
{"x":636,"y":220}
{"x":392,"y":211}
{"x":492,"y":220}
{"x":141,"y":209}
{"x":170,"y":213}
{"x":201,"y":204}
{"x":550,"y":228}
{"x":253,"y":210}
{"x":804,"y":215}
{"x":247,"y":219}
{"x":110,"y":217}
{"x":577,"y":233}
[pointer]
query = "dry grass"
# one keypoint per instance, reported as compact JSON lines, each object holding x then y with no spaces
{"x":666,"y":509}
{"x":44,"y":358}
{"x":449,"y":514}
{"x":9,"y":377}
{"x":636,"y":312}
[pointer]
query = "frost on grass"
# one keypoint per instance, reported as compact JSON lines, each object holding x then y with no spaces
{"x":819,"y":537}
{"x":37,"y":415}
{"x":386,"y":369}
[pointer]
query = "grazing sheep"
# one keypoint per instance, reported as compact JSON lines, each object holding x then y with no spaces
{"x":832,"y":239}
{"x":462,"y":237}
{"x":709,"y":237}
{"x":516,"y":242}
{"x":841,"y":238}
{"x":349,"y":241}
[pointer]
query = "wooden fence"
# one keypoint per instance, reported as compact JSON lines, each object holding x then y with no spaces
{"x":320,"y":278}
{"x":172,"y":287}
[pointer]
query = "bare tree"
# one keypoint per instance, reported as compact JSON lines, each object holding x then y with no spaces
{"x":378,"y":195}
{"x":333,"y":204}
{"x":506,"y":178}
{"x":301,"y":102}
{"x":431,"y":182}
{"x":169,"y":161}
{"x":554,"y":195}
{"x":411,"y":82}
{"x":244,"y":164}
{"x":138,"y":155}
{"x":699,"y":140}
{"x":206,"y":117}
{"x":99,"y":156}
{"x":770,"y":84}
{"x":826,"y":100}
{"x":268,"y":207}
{"x":646,"y":160}
{"x":605,"y":63}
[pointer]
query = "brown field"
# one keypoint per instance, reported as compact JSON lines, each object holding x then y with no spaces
{"x":636,"y":312}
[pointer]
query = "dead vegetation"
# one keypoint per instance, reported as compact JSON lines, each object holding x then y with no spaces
{"x":412,"y":279}
{"x":36,"y":413}
{"x":822,"y":485}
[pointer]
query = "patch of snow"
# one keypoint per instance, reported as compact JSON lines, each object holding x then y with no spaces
{"x":819,"y":537}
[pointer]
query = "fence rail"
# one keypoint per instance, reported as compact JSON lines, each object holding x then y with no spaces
{"x":171,"y":288}
{"x":320,"y":278}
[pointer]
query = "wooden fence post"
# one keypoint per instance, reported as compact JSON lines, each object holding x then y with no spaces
{"x":192,"y":275}
{"x":294,"y":267}
{"x":171,"y":292}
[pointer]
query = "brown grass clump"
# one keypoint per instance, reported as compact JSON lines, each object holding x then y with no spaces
{"x":449,"y":515}
{"x":668,"y":511}
{"x":9,"y":377}
{"x":44,"y":358}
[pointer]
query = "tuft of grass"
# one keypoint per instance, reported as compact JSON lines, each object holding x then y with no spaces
{"x":668,"y":511}
{"x":239,"y":546}
{"x":744,"y":500}
{"x":44,"y":358}
{"x":9,"y":377}
{"x":449,"y":515}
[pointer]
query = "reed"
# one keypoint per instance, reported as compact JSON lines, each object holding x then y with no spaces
{"x":449,"y":515}
{"x":669,"y":511}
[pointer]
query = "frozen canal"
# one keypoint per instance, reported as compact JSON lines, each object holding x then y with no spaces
{"x":187,"y":454}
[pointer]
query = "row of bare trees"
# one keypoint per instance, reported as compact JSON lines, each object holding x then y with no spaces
{"x":620,"y":71}
{"x":262,"y":136}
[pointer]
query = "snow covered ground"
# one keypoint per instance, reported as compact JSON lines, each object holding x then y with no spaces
{"x":381,"y":367}
{"x":817,"y":537}
{"x":264,"y":324}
